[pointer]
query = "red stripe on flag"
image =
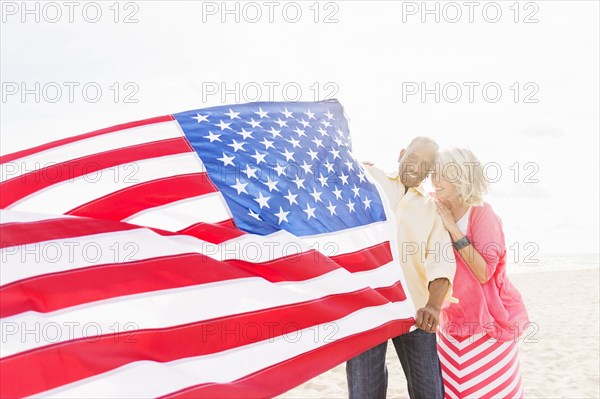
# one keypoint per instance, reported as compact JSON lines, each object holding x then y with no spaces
{"x":393,"y":293}
{"x":299,"y":369}
{"x":51,"y":292}
{"x":24,"y":233}
{"x":22,"y":186}
{"x":131,"y":200}
{"x":30,"y":151}
{"x":215,"y":233}
{"x":15,"y":234}
{"x":366,"y":259}
{"x":34,"y":371}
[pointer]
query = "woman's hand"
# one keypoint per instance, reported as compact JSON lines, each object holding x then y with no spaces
{"x":446,"y":215}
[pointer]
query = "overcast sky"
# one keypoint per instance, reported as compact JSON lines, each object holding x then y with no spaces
{"x":541,"y":131}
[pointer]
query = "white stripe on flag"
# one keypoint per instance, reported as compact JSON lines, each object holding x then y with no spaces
{"x":90,"y":146}
{"x":27,"y":217}
{"x":330,"y":244}
{"x":383,"y":276}
{"x":152,"y":379}
{"x":26,"y":261}
{"x":350,"y":240}
{"x":65,"y":196}
{"x":208,"y":208}
{"x":155,"y":309}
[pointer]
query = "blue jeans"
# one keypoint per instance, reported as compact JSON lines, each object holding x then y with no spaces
{"x":367,"y":374}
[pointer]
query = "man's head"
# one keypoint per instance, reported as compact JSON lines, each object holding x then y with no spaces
{"x":417,"y":161}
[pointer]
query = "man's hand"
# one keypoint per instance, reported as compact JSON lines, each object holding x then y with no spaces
{"x":368,"y":163}
{"x":428,"y":318}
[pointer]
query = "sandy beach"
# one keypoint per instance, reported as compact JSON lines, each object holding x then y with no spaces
{"x":560,"y":356}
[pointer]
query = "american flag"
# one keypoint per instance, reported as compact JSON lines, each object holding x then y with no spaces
{"x":233,"y":251}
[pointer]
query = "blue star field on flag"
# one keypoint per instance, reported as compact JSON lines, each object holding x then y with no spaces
{"x":283,"y":165}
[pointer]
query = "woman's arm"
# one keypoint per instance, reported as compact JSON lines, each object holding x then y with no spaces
{"x":471,"y":256}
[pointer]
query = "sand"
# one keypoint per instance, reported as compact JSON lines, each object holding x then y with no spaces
{"x":560,"y":356}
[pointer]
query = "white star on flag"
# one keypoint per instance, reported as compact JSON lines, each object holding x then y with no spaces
{"x":200,"y":118}
{"x":262,"y":200}
{"x":282,"y":215}
{"x":213,"y":137}
{"x":223,"y":125}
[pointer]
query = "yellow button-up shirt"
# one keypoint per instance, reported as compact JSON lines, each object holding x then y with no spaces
{"x":423,"y":242}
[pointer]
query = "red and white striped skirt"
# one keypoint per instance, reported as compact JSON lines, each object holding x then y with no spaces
{"x":479,"y":367}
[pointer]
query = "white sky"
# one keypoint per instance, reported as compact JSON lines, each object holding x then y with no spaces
{"x":171,"y":55}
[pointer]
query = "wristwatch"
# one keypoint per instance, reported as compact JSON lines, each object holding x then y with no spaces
{"x":460,"y":244}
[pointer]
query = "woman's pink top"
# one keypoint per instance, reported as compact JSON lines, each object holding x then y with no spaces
{"x":495,"y":307}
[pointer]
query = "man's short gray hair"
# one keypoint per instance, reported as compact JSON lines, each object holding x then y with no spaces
{"x":423,"y":140}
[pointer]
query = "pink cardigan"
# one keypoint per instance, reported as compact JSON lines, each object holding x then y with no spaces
{"x":495,"y":307}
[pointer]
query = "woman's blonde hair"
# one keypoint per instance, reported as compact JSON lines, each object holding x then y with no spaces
{"x":462,"y":168}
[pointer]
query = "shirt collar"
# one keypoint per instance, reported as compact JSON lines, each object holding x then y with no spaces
{"x":395,"y":176}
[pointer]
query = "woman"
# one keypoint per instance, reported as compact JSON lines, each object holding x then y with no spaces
{"x":478,"y":336}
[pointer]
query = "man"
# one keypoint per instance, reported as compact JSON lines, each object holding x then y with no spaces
{"x":428,"y":267}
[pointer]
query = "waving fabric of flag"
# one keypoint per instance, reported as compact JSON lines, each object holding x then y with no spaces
{"x":233,"y":251}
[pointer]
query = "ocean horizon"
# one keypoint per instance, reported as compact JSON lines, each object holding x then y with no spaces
{"x":555,"y":262}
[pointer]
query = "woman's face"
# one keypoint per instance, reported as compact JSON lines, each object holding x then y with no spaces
{"x":444,"y":187}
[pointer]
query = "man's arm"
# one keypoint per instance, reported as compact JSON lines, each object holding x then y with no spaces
{"x":440,"y":267}
{"x":428,"y":317}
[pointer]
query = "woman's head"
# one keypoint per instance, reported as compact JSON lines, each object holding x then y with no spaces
{"x":458,"y":177}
